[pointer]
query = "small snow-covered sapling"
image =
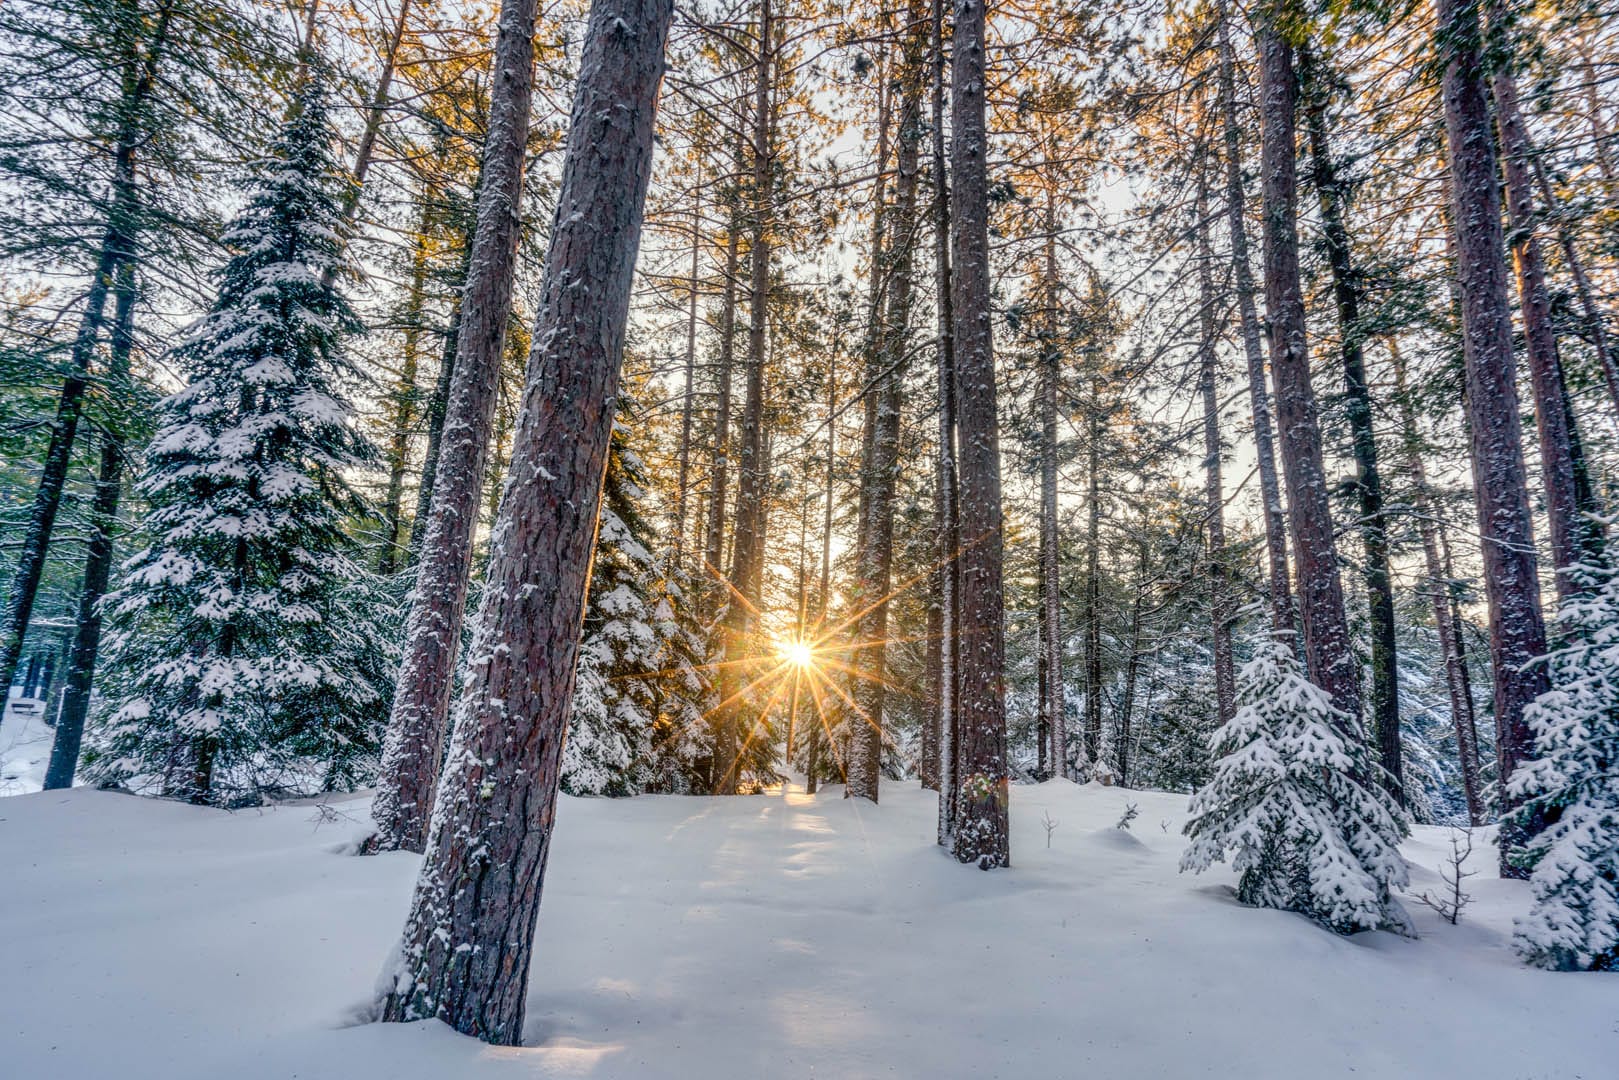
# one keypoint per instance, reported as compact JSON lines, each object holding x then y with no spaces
{"x":1050,"y":824}
{"x":1131,"y":812}
{"x":1450,"y":903}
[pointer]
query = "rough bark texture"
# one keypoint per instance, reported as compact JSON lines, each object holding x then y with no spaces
{"x":1511,"y":578}
{"x":1570,"y":534}
{"x":1208,"y":373}
{"x":1327,"y":646}
{"x":412,"y":750}
{"x":1332,"y":196}
{"x":738,"y":619}
{"x":1270,"y":489}
{"x":719,"y":466}
{"x":1052,"y":718}
{"x":687,"y":390}
{"x":468,"y":939}
{"x":75,"y":705}
{"x":981,"y":831}
{"x":117,"y":248}
{"x":946,"y":525}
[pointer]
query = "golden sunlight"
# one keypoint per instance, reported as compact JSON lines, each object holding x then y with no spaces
{"x":796,"y":653}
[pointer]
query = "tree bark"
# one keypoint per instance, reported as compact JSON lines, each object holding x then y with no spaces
{"x":1093,"y":578}
{"x":981,"y":827}
{"x":81,"y":665}
{"x":719,"y":464}
{"x":1220,"y":616}
{"x":687,"y":394}
{"x":1270,"y":490}
{"x":1332,"y":195}
{"x":412,"y":750}
{"x":1052,"y":719}
{"x":1327,"y":647}
{"x":405,"y":400}
{"x":1511,"y":578}
{"x":469,"y":937}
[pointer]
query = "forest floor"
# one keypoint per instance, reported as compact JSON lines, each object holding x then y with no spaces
{"x":781,"y":935}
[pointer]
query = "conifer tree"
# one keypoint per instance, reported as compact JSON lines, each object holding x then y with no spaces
{"x":233,"y":666}
{"x":1572,"y":783}
{"x":1295,"y":800}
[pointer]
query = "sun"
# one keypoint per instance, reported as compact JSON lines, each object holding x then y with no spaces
{"x":796,"y":653}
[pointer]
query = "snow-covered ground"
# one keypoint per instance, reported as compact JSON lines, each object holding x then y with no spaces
{"x":775,"y":936}
{"x":25,"y":745}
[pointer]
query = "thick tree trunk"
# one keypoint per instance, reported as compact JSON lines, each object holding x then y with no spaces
{"x":117,"y":248}
{"x":946,"y":523}
{"x":405,"y":401}
{"x":1270,"y":490}
{"x":469,"y":937}
{"x":1052,"y":720}
{"x":1328,"y":650}
{"x":1332,"y":195}
{"x":739,"y":616}
{"x":412,"y":750}
{"x":1220,"y":615}
{"x":1571,"y":536}
{"x":98,"y":558}
{"x":1446,"y":615}
{"x":981,"y":833}
{"x":1511,"y":578}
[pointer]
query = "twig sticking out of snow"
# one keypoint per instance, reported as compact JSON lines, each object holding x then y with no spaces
{"x":1450,"y":906}
{"x":1051,"y":826}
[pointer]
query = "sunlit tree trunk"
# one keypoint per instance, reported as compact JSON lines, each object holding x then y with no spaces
{"x":469,"y":936}
{"x":946,"y":523}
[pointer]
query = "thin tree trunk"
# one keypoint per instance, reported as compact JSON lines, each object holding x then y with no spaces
{"x":469,"y":937}
{"x":1440,"y":599}
{"x":375,"y":110}
{"x":1220,"y":616}
{"x":1270,"y":490}
{"x":1132,"y":672}
{"x":687,"y":395}
{"x":1093,"y":580}
{"x":413,"y":746}
{"x":1051,"y":638}
{"x":1332,"y":195}
{"x":438,"y":404}
{"x":719,"y":465}
{"x":405,"y":400}
{"x":981,"y":833}
{"x":117,"y":247}
{"x":1571,"y":539}
{"x":1511,"y":578}
{"x":946,"y":522}
{"x":1595,"y":326}
{"x":826,"y":549}
{"x":98,"y":559}
{"x":1327,"y":647}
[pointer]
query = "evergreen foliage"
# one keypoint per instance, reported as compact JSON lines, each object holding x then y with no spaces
{"x":1295,"y":800}
{"x":238,"y":660}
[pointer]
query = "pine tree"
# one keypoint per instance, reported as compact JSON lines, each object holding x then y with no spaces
{"x":236,"y":663}
{"x":1571,"y":781}
{"x":610,"y":731}
{"x":1295,"y":796}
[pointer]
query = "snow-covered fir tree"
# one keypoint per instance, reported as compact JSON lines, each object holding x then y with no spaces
{"x":239,"y":660}
{"x":610,"y":734}
{"x":1572,"y":782}
{"x":1295,"y":800}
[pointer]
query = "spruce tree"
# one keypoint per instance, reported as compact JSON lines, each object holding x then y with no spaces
{"x":236,"y":664}
{"x":1572,"y":781}
{"x":1296,"y":797}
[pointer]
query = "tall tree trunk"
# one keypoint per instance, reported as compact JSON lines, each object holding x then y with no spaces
{"x":1327,"y":647}
{"x":824,"y":601}
{"x":1132,"y":672}
{"x":1093,"y":579}
{"x":1220,"y":616}
{"x":687,"y":392}
{"x":1595,"y":325}
{"x":469,"y":937}
{"x":1511,"y":578}
{"x":1270,"y":490}
{"x":742,"y":606}
{"x":405,"y":399}
{"x":1332,"y":195}
{"x":981,"y":833}
{"x":720,"y":456}
{"x":117,"y":247}
{"x":98,"y":558}
{"x":946,"y":521}
{"x":438,"y":404}
{"x":412,"y":750}
{"x":1446,"y":615}
{"x":1050,"y":375}
{"x":1571,"y":538}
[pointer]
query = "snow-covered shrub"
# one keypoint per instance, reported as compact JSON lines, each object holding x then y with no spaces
{"x":1295,"y":800}
{"x":238,"y":660}
{"x":1572,"y":784}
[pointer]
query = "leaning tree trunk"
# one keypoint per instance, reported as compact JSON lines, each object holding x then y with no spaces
{"x":738,"y":618}
{"x":117,"y":248}
{"x":1511,"y":577}
{"x":1332,"y":195}
{"x":1327,"y":646}
{"x":413,"y":747}
{"x":1270,"y":489}
{"x":98,"y":558}
{"x":1571,"y":534}
{"x":1220,"y":615}
{"x":469,"y":937}
{"x":981,"y":825}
